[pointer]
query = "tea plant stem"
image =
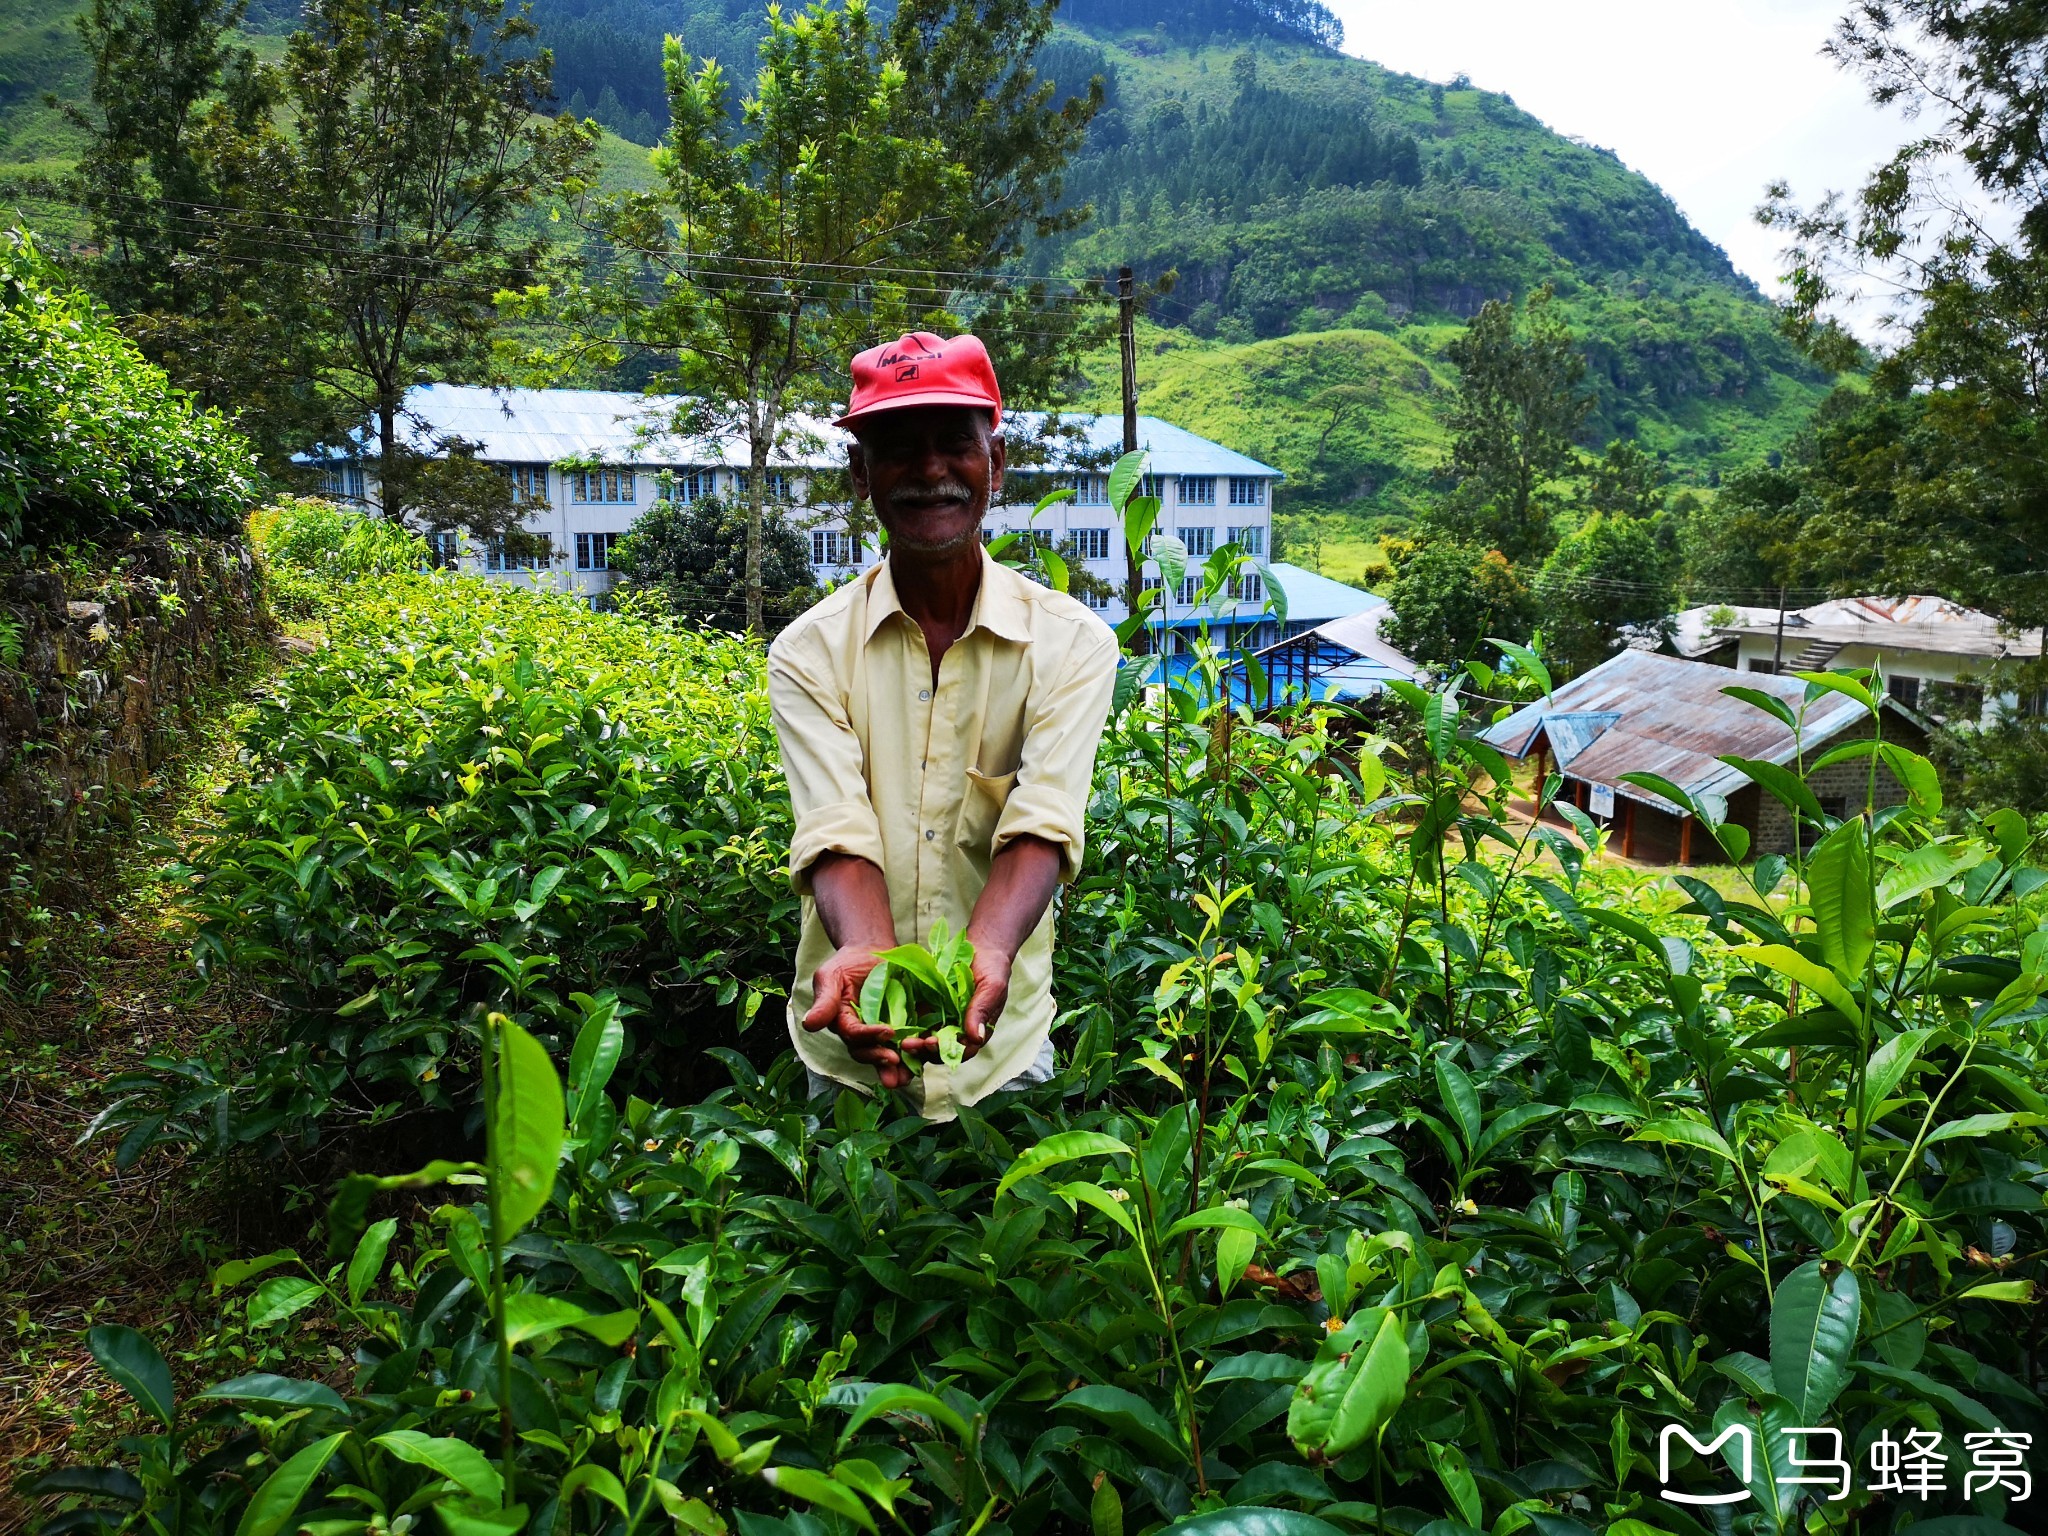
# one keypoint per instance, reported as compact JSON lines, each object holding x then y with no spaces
{"x":1866,"y":830}
{"x":1912,"y":1154}
{"x":1180,"y":1367}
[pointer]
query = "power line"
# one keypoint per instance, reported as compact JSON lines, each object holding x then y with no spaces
{"x":286,"y":221}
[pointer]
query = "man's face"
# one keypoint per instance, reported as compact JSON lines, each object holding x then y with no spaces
{"x":930,"y":471}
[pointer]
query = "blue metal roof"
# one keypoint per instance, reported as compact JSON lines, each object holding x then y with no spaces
{"x":1317,"y":599}
{"x":1174,"y":450}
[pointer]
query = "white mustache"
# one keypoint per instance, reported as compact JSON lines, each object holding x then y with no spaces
{"x":950,"y":490}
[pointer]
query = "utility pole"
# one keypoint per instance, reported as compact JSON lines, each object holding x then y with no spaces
{"x":1127,"y":337}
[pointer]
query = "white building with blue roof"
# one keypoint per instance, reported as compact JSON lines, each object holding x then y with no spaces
{"x":589,"y":462}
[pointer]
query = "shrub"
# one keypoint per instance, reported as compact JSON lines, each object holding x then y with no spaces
{"x":93,"y":439}
{"x":475,"y":797}
{"x":313,"y":549}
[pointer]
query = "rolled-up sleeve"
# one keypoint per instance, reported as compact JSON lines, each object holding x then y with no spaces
{"x":1064,"y":720}
{"x":823,"y":760}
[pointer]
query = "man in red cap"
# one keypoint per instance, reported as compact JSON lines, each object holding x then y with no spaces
{"x":939,"y":719}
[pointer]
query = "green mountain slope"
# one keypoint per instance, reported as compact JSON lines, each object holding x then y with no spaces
{"x":1304,"y":195}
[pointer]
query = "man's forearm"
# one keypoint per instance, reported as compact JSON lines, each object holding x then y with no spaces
{"x":853,"y":901}
{"x":1021,"y":882}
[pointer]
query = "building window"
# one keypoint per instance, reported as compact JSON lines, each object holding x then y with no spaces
{"x":1247,"y":491}
{"x":594,"y":551}
{"x":1198,"y":490}
{"x":495,"y":559}
{"x":774,"y":485}
{"x":1091,"y":490}
{"x":529,"y":481}
{"x":693,"y":485}
{"x":1149,"y":584}
{"x":1201,"y":542}
{"x":444,"y":549}
{"x":603,"y":486}
{"x":1248,"y":588}
{"x":1097,"y":598}
{"x":344,"y":482}
{"x":1190,"y":589}
{"x":1251,"y":539}
{"x":1089,"y":543}
{"x":1904,"y":690}
{"x":834,"y":546}
{"x":1153,"y":486}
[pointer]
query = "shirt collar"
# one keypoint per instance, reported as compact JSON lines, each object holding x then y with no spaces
{"x":1000,"y":607}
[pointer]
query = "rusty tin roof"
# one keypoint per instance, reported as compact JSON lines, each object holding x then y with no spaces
{"x":1644,"y":713}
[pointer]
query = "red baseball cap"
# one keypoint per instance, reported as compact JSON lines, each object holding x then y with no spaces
{"x":923,"y":369}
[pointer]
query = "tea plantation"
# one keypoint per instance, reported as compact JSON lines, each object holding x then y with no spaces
{"x":1411,"y":1168}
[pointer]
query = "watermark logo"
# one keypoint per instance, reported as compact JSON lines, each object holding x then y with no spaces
{"x":1915,"y":1467}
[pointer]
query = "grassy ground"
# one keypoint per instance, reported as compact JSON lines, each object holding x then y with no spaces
{"x":81,"y":1243}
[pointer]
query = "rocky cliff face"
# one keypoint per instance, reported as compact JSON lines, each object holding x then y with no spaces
{"x":99,"y":671}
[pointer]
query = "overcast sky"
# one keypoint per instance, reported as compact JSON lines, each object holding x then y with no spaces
{"x":1711,"y":99}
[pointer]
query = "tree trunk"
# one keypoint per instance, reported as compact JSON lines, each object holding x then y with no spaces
{"x":757,"y":487}
{"x":390,"y":497}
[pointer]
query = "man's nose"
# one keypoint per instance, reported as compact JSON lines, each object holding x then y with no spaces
{"x":927,"y":465}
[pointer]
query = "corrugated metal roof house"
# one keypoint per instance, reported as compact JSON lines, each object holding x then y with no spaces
{"x":1644,"y":713}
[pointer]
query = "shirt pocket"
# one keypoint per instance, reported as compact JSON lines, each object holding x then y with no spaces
{"x":981,"y":808}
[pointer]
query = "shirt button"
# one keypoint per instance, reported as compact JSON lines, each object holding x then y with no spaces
{"x":924,"y":696}
{"x":929,"y":835}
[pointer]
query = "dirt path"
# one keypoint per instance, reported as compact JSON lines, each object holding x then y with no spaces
{"x":81,"y":1243}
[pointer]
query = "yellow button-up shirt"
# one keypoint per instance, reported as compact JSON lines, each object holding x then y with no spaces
{"x":930,"y":782}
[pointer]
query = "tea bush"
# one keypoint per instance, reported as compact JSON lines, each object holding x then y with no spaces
{"x":1409,"y":1171}
{"x":313,"y":549}
{"x":93,"y":439}
{"x":481,"y":797}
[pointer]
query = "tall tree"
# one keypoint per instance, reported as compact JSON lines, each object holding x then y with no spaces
{"x":1513,"y":423}
{"x":1952,"y":483}
{"x":1606,"y":583}
{"x":970,"y":80}
{"x":694,"y":555}
{"x":174,"y":182}
{"x":1449,"y":596}
{"x":417,"y":155}
{"x":784,"y":240}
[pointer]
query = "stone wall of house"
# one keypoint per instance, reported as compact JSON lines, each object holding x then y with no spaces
{"x":101,"y":667}
{"x":1847,"y":782}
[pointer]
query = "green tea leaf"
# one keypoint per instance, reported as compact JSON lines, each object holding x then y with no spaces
{"x":1128,"y":1415}
{"x":815,"y":1488}
{"x":278,"y":1499}
{"x":133,"y":1361}
{"x":529,"y":1128}
{"x":895,"y":1397}
{"x":1814,"y":1321}
{"x":1686,"y":1133}
{"x":1379,"y":1381}
{"x":277,"y":1392}
{"x":1065,"y":1147}
{"x":1838,"y":885}
{"x":457,"y":1460}
{"x":368,"y":1261}
{"x":599,"y":1482}
{"x":276,"y":1300}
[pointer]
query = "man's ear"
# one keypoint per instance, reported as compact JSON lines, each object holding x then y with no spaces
{"x":998,"y":458}
{"x":857,"y":469}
